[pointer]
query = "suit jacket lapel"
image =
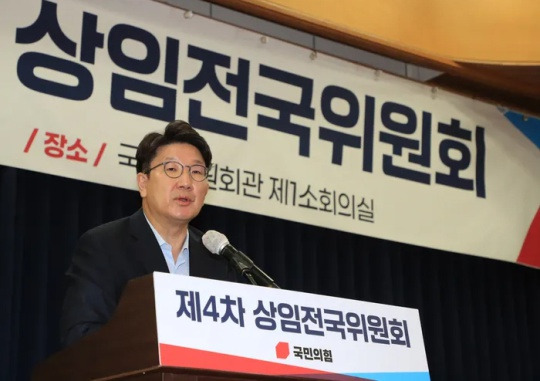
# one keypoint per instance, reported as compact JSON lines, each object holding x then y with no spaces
{"x":202,"y":263}
{"x":144,"y":245}
{"x":196,"y":254}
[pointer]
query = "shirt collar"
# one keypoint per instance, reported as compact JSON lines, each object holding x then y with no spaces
{"x":160,"y":239}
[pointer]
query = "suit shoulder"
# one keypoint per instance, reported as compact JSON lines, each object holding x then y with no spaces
{"x":111,"y":228}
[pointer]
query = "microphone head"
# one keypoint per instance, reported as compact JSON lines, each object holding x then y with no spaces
{"x":214,"y":241}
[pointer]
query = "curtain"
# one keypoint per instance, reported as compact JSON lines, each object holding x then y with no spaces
{"x":480,"y":317}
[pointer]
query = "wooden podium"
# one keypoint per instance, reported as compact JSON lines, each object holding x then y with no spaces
{"x":126,"y":348}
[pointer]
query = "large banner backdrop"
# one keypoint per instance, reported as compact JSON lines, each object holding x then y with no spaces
{"x":295,"y":135}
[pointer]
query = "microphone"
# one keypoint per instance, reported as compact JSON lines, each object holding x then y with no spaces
{"x":218,"y":244}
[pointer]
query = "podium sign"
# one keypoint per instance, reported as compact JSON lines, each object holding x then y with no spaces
{"x":224,"y":326}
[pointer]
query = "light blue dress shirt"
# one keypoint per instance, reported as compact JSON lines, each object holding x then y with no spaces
{"x":181,"y":266}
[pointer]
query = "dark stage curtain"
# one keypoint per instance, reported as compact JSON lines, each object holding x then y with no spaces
{"x":480,"y":317}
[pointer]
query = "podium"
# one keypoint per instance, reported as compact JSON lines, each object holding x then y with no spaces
{"x":161,"y":331}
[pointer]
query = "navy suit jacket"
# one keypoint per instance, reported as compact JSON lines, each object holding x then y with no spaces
{"x":110,"y":255}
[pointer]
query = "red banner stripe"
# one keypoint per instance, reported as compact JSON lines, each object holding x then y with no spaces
{"x":183,"y":357}
{"x":530,"y":251}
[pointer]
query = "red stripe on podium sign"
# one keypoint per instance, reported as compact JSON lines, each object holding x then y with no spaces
{"x":175,"y":356}
{"x":530,"y":251}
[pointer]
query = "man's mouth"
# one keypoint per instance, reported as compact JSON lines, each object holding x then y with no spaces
{"x":183,"y":199}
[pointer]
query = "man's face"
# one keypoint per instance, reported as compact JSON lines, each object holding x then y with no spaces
{"x":169,"y":201}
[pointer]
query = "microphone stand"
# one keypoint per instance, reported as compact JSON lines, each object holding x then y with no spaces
{"x":245,"y":266}
{"x":262,"y":279}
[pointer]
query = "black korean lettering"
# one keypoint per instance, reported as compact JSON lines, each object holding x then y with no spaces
{"x":91,"y":38}
{"x":121,"y":32}
{"x":122,"y":85}
{"x":46,"y":23}
{"x":26,"y":72}
{"x":339,"y":139}
{"x":287,"y":109}
{"x":402,"y":121}
{"x":207,"y":75}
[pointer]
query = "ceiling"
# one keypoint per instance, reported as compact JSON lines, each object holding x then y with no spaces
{"x":515,"y":86}
{"x":512,"y":86}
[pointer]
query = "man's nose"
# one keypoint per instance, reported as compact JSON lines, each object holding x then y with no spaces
{"x":185,"y":180}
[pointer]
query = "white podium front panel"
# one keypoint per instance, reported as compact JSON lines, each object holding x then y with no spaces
{"x":209,"y":324}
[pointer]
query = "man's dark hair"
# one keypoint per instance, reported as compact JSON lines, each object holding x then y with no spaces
{"x":177,"y":131}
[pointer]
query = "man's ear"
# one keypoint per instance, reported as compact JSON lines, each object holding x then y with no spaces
{"x":142,"y":181}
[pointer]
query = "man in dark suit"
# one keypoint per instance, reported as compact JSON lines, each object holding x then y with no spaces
{"x":172,"y":170}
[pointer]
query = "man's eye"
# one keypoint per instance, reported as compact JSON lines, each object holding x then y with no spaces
{"x":171,"y":168}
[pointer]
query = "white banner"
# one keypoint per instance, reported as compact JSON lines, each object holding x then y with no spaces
{"x":319,"y":141}
{"x":209,"y":324}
